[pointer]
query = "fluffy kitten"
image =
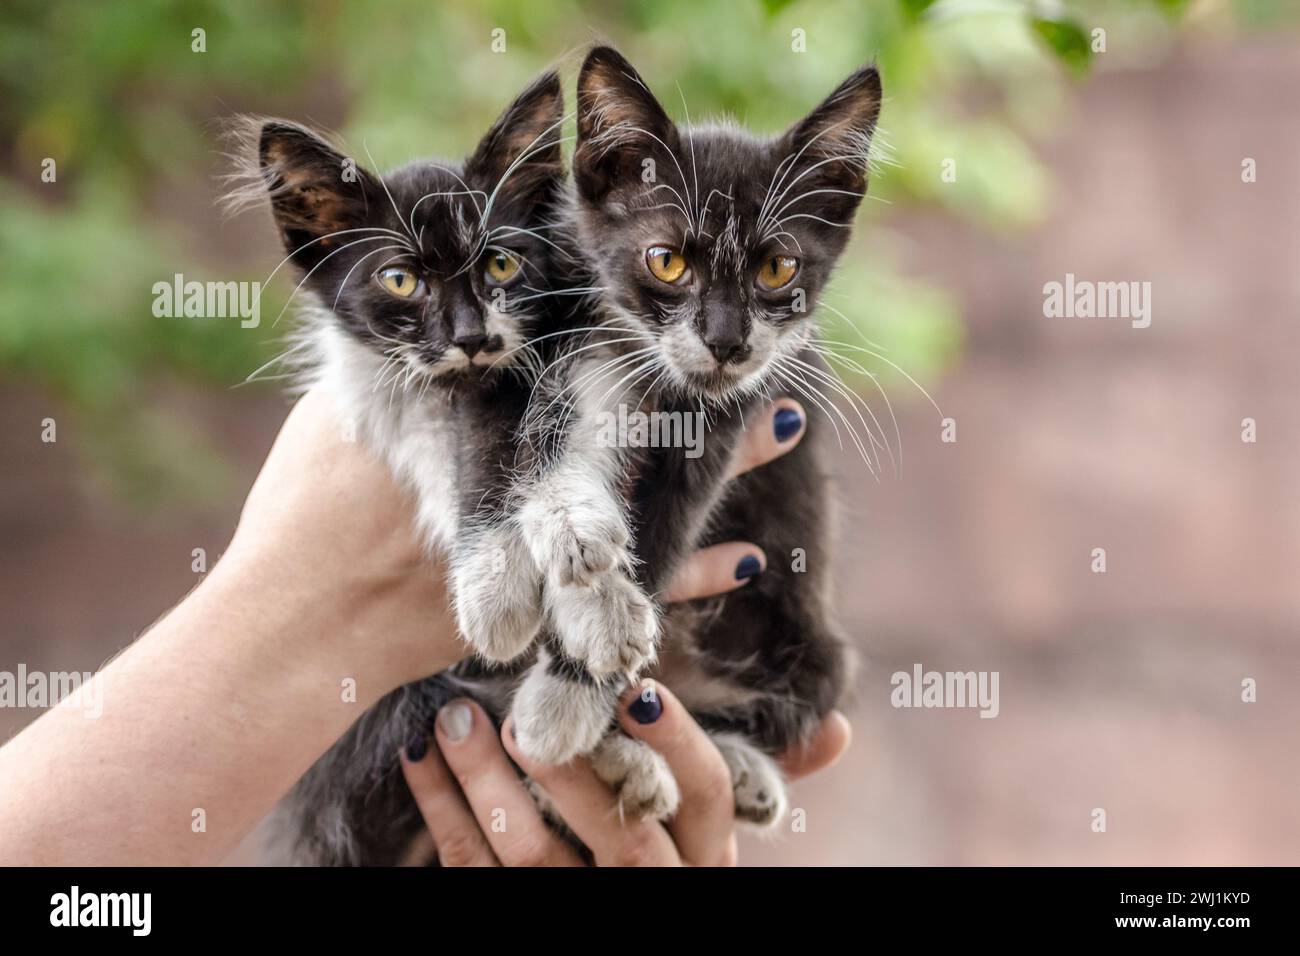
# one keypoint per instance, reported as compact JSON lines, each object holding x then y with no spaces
{"x":434,"y":307}
{"x":577,"y":549}
{"x":711,"y":247}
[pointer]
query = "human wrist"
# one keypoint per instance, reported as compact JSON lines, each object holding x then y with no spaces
{"x":380,"y":617}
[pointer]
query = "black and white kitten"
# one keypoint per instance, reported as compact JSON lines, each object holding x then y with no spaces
{"x":711,"y":247}
{"x":433,"y":309}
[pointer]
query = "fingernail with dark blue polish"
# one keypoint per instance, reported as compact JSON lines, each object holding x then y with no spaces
{"x":417,"y":748}
{"x":749,"y":567}
{"x":647,"y":708}
{"x":786,"y":422}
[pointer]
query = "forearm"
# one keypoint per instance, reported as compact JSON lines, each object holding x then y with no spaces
{"x":219,"y":708}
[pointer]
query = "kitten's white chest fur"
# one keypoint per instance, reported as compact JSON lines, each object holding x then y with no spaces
{"x":408,"y":429}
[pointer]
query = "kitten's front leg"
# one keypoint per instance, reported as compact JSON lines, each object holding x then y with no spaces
{"x":560,"y":710}
{"x":496,"y":591}
{"x":577,"y":530}
{"x":574,"y":525}
{"x":461,"y":494}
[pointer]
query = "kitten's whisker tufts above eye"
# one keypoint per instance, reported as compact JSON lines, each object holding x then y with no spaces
{"x":313,"y":269}
{"x":776,"y":236}
{"x":708,"y":199}
{"x":445,"y":193}
{"x":393,"y":235}
{"x":387,"y":192}
{"x":826,"y":222}
{"x":679,"y":205}
{"x":776,"y":216}
{"x":500,"y":231}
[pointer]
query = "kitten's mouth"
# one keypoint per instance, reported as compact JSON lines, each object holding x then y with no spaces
{"x":488,"y":353}
{"x":484,"y":361}
{"x":717,"y":381}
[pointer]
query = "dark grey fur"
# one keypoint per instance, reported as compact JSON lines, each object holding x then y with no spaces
{"x":774,"y":641}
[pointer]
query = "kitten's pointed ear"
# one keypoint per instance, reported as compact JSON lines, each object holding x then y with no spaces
{"x":620,"y":125}
{"x":521,"y":151}
{"x":831,"y":145}
{"x":315,"y":190}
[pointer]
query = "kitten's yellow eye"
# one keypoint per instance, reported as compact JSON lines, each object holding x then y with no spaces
{"x":501,"y":267}
{"x":666,"y":265}
{"x":400,"y":281}
{"x":777,"y":271}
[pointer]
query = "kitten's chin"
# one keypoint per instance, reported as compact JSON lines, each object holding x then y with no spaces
{"x":467,"y":372}
{"x":717,"y":382}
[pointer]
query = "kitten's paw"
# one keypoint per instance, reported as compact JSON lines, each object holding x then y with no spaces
{"x":497,"y":592}
{"x":611,"y":627}
{"x":574,"y":544}
{"x":639,"y":776}
{"x":557,"y":716}
{"x":587,"y":552}
{"x":756,"y":780}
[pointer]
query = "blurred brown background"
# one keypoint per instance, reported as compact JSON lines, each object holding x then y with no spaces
{"x":1120,"y":690}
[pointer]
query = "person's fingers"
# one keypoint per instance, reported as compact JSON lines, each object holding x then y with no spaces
{"x":505,"y":811}
{"x":702,"y":828}
{"x":591,"y":810}
{"x":824,"y":748}
{"x":456,"y":835}
{"x":716,"y":570}
{"x":772,"y":436}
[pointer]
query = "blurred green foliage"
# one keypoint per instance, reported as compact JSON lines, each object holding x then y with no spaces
{"x":117,"y":96}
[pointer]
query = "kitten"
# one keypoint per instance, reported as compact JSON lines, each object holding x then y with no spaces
{"x":434,"y":306}
{"x":711,"y":247}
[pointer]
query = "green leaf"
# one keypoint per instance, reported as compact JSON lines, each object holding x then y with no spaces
{"x":914,"y":9}
{"x":774,"y":7}
{"x":1068,"y":41}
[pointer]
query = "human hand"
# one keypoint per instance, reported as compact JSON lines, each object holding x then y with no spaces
{"x":327,"y":527}
{"x":326,"y":524}
{"x":479,"y":813}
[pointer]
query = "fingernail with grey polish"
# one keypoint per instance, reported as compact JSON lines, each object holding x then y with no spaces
{"x":456,"y":719}
{"x":786,"y":423}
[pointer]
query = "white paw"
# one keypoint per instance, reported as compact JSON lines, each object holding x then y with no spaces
{"x":611,"y":627}
{"x":583,"y":555}
{"x":556,"y":719}
{"x":575,"y":543}
{"x":639,"y":777}
{"x":497,"y":594}
{"x":756,"y":780}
